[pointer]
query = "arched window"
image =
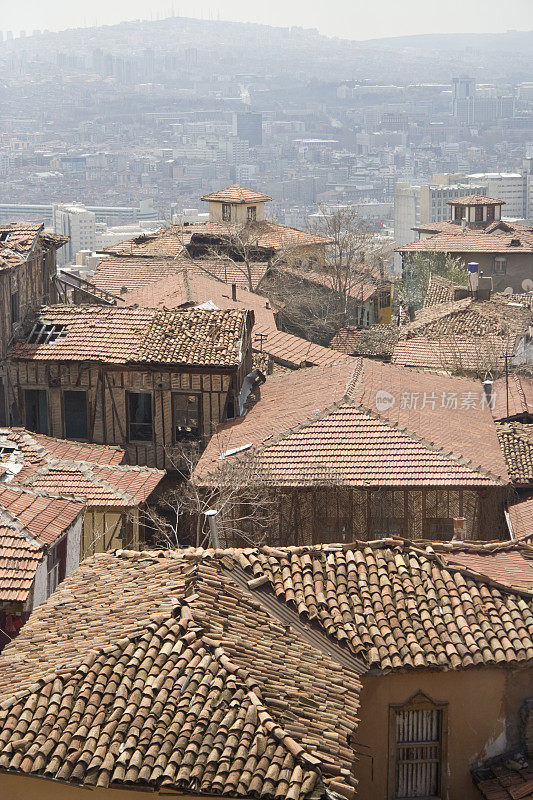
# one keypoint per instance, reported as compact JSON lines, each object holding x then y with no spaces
{"x":417,"y":748}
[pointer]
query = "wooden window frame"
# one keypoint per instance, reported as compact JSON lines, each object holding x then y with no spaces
{"x":427,"y":521}
{"x":42,"y":393}
{"x":81,"y":391}
{"x":418,"y":702}
{"x":251,"y":213}
{"x":226,"y":212}
{"x":501,"y":260}
{"x":198,"y":436}
{"x":149,"y":441}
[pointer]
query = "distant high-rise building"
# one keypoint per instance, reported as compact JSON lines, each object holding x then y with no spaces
{"x":248,"y":125}
{"x":75,"y":221}
{"x":463,"y":93}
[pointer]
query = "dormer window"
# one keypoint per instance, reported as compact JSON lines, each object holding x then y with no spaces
{"x":226,"y":212}
{"x":251,"y":213}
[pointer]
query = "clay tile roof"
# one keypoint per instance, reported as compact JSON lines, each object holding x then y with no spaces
{"x":376,"y":341}
{"x":167,"y":673}
{"x":462,"y":335}
{"x":521,"y":514}
{"x":476,"y":200}
{"x":441,"y":290}
{"x":183,"y":287}
{"x":28,"y":522}
{"x":17,"y":242}
{"x":513,"y":397}
{"x":365,"y":423}
{"x":292,"y":351}
{"x":91,"y":472}
{"x":358,"y":594}
{"x":500,"y":237}
{"x":516,"y":440}
{"x":138,"y":335}
{"x":236,"y":194}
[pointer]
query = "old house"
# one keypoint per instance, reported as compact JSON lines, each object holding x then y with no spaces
{"x":147,"y":380}
{"x":467,"y":337}
{"x":114,"y":495}
{"x":361,"y":297}
{"x":376,"y":670}
{"x":362,"y":449}
{"x":40,"y":537}
{"x":236,"y":227}
{"x":27,"y":267}
{"x":176,"y":285}
{"x":476,"y":232}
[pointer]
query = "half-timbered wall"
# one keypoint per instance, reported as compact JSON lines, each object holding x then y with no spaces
{"x":107,"y":528}
{"x":315,"y":515}
{"x":31,"y":285}
{"x":107,"y":391}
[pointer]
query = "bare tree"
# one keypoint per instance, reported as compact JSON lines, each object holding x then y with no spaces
{"x":355,"y":255}
{"x":236,"y":490}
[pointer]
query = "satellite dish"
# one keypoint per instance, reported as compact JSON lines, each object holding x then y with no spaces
{"x":508,"y":290}
{"x":527,"y":285}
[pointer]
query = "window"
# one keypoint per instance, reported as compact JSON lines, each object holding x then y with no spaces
{"x":36,"y":412}
{"x":140,"y":416}
{"x":416,"y":742}
{"x":185,"y":408}
{"x":384,"y":299}
{"x":53,"y":577}
{"x":226,"y":212}
{"x":14,"y":307}
{"x":438,"y":529}
{"x":46,"y":332}
{"x":75,"y":409}
{"x":499,"y":266}
{"x":251,"y":213}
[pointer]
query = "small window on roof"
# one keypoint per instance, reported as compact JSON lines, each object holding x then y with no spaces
{"x":45,"y":332}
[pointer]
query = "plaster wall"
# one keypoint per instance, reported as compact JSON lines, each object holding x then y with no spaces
{"x":482,"y":721}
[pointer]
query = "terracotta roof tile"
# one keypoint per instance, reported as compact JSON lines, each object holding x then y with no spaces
{"x":236,"y":194}
{"x":501,"y":237}
{"x":16,"y":243}
{"x":516,"y":440}
{"x":378,"y":341}
{"x":292,"y":351}
{"x":476,"y":200}
{"x":359,"y":593}
{"x":28,"y":522}
{"x":366,"y":423}
{"x":136,"y":335}
{"x":200,"y":687}
{"x":69,"y":469}
{"x":521,"y":515}
{"x":517,"y":391}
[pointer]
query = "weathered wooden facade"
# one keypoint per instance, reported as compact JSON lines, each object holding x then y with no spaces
{"x":150,"y":405}
{"x":27,"y":267}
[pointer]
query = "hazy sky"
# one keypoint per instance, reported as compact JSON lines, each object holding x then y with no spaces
{"x":357,"y":19}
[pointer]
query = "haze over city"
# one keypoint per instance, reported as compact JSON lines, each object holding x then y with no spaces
{"x":355,"y":19}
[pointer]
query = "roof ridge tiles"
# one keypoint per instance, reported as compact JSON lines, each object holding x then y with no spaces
{"x":9,"y":520}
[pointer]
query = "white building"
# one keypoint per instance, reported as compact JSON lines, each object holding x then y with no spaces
{"x":79,"y":224}
{"x":415,"y":205}
{"x":507,"y":186}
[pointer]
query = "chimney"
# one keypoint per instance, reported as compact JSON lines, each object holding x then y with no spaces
{"x":458,"y":528}
{"x":234,"y":292}
{"x":484,"y":288}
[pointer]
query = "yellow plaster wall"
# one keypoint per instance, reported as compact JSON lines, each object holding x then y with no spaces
{"x":483,"y":707}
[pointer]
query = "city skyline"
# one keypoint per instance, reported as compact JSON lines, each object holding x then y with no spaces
{"x":341,"y":18}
